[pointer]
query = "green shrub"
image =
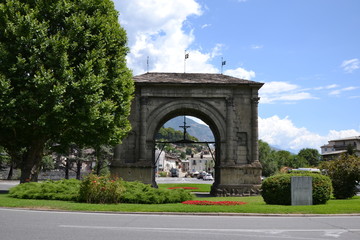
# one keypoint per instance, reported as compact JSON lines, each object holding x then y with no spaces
{"x":277,"y":189}
{"x":163,"y":174}
{"x":137,"y":192}
{"x":95,"y":189}
{"x":66,"y":190}
{"x":345,"y":175}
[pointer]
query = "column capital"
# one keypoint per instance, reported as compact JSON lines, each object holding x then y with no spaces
{"x":229,"y":101}
{"x":144,"y":100}
{"x":255,"y":100}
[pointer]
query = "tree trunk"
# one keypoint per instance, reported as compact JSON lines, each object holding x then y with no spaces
{"x":98,"y":161}
{"x":78,"y":169}
{"x":98,"y":167}
{"x":9,"y":177}
{"x":25,"y":174}
{"x":35,"y":172}
{"x":67,"y":167}
{"x":30,"y":158}
{"x":15,"y":158}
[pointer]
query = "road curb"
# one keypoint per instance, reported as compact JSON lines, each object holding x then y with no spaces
{"x":191,"y":213}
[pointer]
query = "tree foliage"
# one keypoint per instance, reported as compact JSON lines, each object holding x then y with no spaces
{"x":273,"y":160}
{"x":63,"y":76}
{"x":267,"y":159}
{"x":312,"y":156}
{"x":4,"y":158}
{"x":103,"y":156}
{"x":345,"y":175}
{"x":172,"y":135}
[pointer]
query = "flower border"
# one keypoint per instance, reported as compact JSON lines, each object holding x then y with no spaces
{"x":211,"y":203}
{"x":186,"y":188}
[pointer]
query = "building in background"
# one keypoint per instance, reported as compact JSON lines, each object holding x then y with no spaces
{"x":336,"y":147}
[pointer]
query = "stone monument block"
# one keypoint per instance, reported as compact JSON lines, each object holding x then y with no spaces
{"x":301,"y":190}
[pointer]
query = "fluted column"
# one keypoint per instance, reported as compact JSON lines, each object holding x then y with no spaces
{"x":143,"y":127}
{"x":229,"y":131}
{"x":254,"y":129}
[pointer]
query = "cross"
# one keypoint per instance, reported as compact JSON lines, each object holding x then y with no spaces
{"x":184,"y":127}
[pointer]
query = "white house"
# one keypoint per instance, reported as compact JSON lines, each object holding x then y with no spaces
{"x":165,"y":161}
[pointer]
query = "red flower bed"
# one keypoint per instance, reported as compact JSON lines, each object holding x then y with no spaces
{"x":191,"y":188}
{"x":222,"y":203}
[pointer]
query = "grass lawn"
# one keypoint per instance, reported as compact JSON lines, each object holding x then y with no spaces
{"x":200,"y":187}
{"x":254,"y":205}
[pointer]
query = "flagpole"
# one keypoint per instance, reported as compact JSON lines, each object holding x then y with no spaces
{"x":147,"y":64}
{"x":185,"y":63}
{"x":186,"y":57}
{"x":222,"y":64}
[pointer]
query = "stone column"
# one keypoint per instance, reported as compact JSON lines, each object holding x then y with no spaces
{"x":143,"y":128}
{"x":254,"y":129}
{"x":229,"y":131}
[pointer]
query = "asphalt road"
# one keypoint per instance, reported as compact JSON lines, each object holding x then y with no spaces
{"x":6,"y":185}
{"x":18,"y":224}
{"x":26,"y":224}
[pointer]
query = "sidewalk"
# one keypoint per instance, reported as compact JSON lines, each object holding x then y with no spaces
{"x":5,"y":185}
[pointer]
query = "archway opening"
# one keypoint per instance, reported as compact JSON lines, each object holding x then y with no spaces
{"x":186,"y":150}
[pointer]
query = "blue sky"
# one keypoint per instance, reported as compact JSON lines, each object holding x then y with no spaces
{"x":307,"y":52}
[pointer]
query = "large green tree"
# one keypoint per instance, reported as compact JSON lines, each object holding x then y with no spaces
{"x":312,"y":156}
{"x":267,"y":159}
{"x":272,"y":161}
{"x":344,"y":173}
{"x":63,"y":76}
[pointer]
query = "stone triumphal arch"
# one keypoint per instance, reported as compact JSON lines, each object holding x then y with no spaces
{"x":228,"y":105}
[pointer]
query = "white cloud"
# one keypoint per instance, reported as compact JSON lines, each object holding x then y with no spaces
{"x":193,"y":63}
{"x":155,"y":29}
{"x":295,"y":96}
{"x":327,"y":87}
{"x":205,"y":26}
{"x":331,"y":86}
{"x":273,"y":92}
{"x":339,"y":91}
{"x":216,"y":51}
{"x":284,"y":134}
{"x":257,"y":46}
{"x":240,"y":73}
{"x":278,"y":87}
{"x":351,"y":65}
{"x":333,"y":134}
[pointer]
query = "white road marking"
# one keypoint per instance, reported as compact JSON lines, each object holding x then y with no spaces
{"x":191,"y":215}
{"x":334,"y":233}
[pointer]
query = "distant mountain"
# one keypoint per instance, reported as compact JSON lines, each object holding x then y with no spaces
{"x":279,"y":148}
{"x":200,"y":131}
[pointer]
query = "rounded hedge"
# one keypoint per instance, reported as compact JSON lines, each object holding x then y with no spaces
{"x":66,"y":190}
{"x":104,"y":189}
{"x":277,"y":189}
